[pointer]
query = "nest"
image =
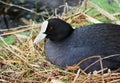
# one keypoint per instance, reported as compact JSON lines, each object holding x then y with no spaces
{"x":21,"y":61}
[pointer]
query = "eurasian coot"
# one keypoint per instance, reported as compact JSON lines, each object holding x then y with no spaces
{"x":66,"y":46}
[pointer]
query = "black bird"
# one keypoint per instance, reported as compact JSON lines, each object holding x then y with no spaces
{"x":66,"y":46}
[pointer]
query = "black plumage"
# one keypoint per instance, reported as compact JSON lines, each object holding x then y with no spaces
{"x":66,"y":46}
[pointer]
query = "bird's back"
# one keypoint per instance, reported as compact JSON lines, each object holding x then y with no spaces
{"x":97,"y":39}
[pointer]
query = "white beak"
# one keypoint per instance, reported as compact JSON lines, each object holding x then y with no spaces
{"x":41,"y":34}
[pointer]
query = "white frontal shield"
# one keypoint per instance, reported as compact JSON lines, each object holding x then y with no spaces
{"x":41,"y":34}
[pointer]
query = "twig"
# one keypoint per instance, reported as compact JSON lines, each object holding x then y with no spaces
{"x":91,"y":19}
{"x":87,"y":59}
{"x":16,"y":28}
{"x":97,"y":60}
{"x":102,"y":11}
{"x":77,"y":75}
{"x":116,"y":14}
{"x":110,"y":56}
{"x":14,"y":31}
{"x":10,"y":61}
{"x":88,"y":18}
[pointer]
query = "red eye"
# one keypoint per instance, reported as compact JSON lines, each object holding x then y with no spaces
{"x":51,"y":28}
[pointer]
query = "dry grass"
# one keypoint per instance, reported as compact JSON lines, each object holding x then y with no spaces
{"x":22,"y":62}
